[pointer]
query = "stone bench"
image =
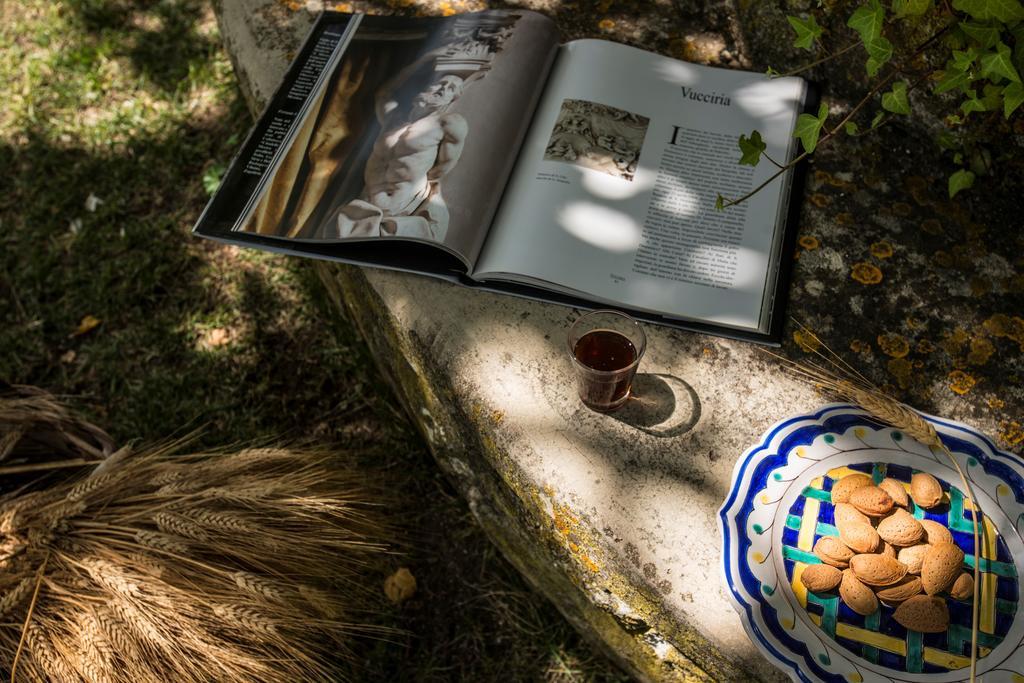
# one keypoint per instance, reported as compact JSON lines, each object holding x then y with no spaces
{"x":613,"y":517}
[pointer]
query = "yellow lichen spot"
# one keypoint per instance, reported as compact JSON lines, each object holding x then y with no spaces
{"x":981,"y":350}
{"x":996,"y":403}
{"x":343,"y":7}
{"x":845,"y":218}
{"x":497,"y":416}
{"x":931,"y":226}
{"x":821,"y":176}
{"x":902,"y":209}
{"x":915,"y":183}
{"x":866,"y":274}
{"x":943,"y":259}
{"x":960,"y":382}
{"x":980,"y":286}
{"x":446,"y":9}
{"x":819,"y":200}
{"x":1001,"y":325}
{"x":902,"y":369}
{"x":589,"y":563}
{"x":1011,"y":432}
{"x":806,"y":341}
{"x":954,"y":341}
{"x":924,"y":346}
{"x":912,"y":322}
{"x":858,"y":346}
{"x":606,"y":24}
{"x":975,"y":231}
{"x":893,"y":345}
{"x":809,"y":242}
{"x":881,"y":250}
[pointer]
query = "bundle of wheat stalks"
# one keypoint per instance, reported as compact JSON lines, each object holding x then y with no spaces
{"x":161,"y":566}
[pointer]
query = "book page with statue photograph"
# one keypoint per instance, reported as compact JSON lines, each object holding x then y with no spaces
{"x":614,"y":191}
{"x":411,"y":132}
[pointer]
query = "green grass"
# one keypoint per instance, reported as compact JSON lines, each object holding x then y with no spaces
{"x":133,"y":102}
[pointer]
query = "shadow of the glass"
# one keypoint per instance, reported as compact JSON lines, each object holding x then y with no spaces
{"x":660,"y":405}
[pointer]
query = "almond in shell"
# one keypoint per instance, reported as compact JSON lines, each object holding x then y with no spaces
{"x":820,"y":577}
{"x":895,"y":490}
{"x":941,"y":566}
{"x":925,"y":490}
{"x":923,"y":613}
{"x":860,"y":537}
{"x":963,"y":587}
{"x":913,"y":557}
{"x":904,"y":589}
{"x":901,"y":529}
{"x":936,"y":533}
{"x":872,"y":501}
{"x":844,"y":512}
{"x":832,"y":551}
{"x":856,"y":595}
{"x":888,"y":550}
{"x":842,"y":489}
{"x":877,"y":570}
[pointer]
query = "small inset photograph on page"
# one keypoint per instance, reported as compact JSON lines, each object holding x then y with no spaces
{"x":597,"y":136}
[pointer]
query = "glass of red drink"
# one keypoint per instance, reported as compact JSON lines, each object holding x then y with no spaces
{"x":606,"y":348}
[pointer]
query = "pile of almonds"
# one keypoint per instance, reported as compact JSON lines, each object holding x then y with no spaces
{"x":884,"y":554}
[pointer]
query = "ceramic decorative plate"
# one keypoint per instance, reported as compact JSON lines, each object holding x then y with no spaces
{"x":780,"y":504}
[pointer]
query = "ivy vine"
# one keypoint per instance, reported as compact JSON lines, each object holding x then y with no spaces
{"x":979,"y":42}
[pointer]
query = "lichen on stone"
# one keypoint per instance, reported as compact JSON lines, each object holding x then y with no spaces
{"x":893,"y":345}
{"x":960,"y":382}
{"x":809,"y":242}
{"x":866,"y":274}
{"x":881,"y":250}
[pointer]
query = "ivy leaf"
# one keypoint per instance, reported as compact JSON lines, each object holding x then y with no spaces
{"x":867,"y":20}
{"x":879,"y":117}
{"x":807,"y":31}
{"x":946,"y":140}
{"x":1013,"y":97}
{"x":985,"y":36}
{"x":751,"y":148}
{"x":770,"y":72}
{"x":910,"y":8}
{"x":964,"y":59}
{"x":953,"y":78}
{"x":808,"y":127}
{"x":971,"y":104}
{"x":720,"y":203}
{"x":1005,"y":11}
{"x":851,"y":128}
{"x":992,"y":97}
{"x":896,"y":99}
{"x":999,"y":64}
{"x":879,"y":52}
{"x":961,"y":180}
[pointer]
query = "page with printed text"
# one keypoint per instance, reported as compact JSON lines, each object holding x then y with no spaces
{"x":613,"y":193}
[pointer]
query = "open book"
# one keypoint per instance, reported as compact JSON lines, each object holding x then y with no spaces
{"x":478,"y":149}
